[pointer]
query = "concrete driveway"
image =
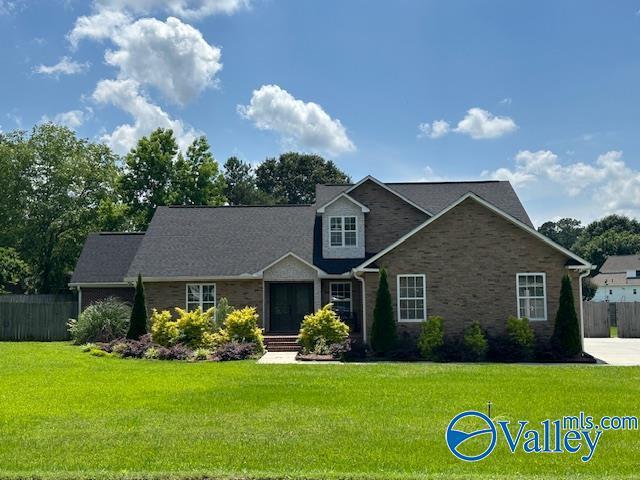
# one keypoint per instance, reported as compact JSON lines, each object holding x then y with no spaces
{"x":614,"y":351}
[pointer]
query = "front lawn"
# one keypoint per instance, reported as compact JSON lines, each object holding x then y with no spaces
{"x":64,"y":413}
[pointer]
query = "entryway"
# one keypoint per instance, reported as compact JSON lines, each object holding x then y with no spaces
{"x":288,"y":304}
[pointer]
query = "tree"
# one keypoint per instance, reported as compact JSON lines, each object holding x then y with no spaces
{"x":66,"y":179}
{"x":14,"y":272}
{"x":564,"y":232}
{"x":241,"y":186}
{"x":611,"y":242}
{"x":588,"y":289}
{"x":138,"y":322}
{"x":566,"y":340}
{"x":157,"y":174}
{"x":15,"y":159}
{"x":292,"y":178}
{"x":383,"y":330}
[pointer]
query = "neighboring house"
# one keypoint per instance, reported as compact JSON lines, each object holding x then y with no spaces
{"x":466,"y":251}
{"x":618,"y":279}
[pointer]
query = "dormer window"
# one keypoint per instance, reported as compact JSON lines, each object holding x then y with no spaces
{"x":344,"y":231}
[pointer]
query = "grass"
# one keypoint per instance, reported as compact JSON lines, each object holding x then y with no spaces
{"x":66,"y":414}
{"x":613,"y":332}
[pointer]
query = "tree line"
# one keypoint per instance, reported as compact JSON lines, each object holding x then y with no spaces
{"x":55,"y":188}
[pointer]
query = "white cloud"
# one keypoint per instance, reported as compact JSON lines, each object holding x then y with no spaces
{"x":171,"y":56}
{"x":300,"y":123}
{"x":126,"y":95}
{"x":65,"y":66}
{"x":436,"y":129}
{"x":611,"y":185}
{"x":7,"y":7}
{"x":506,"y":101}
{"x":102,"y":25}
{"x":481,"y":124}
{"x":71,"y":119}
{"x":187,"y":9}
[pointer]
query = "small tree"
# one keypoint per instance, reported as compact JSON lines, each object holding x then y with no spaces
{"x":383,"y":330}
{"x":138,"y":323}
{"x":566,"y":340}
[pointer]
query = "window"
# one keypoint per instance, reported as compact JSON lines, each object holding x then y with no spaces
{"x":412,"y":302}
{"x":343,"y":231}
{"x":340,"y":297}
{"x":532,"y":296}
{"x":635,"y":291}
{"x":610,"y":292}
{"x":201,"y":296}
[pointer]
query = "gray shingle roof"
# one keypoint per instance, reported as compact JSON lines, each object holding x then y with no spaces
{"x":106,"y":257}
{"x":222,"y":241}
{"x":620,"y":263}
{"x":435,"y":196}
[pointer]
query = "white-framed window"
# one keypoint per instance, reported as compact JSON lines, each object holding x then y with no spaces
{"x":412,"y":297}
{"x":340,"y":295}
{"x":343,"y":231}
{"x":201,"y":295}
{"x":532,"y":295}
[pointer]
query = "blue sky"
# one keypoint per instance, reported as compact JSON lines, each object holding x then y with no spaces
{"x":545,"y":94}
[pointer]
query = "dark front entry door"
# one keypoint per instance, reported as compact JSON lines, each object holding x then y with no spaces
{"x":288,"y":304}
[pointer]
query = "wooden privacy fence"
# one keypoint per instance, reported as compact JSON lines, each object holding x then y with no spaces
{"x":36,"y":317}
{"x":596,"y":319}
{"x":628,"y":318}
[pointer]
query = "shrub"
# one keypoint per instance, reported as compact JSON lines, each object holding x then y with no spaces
{"x":103,"y":321}
{"x":151,"y":353}
{"x":222,"y":310}
{"x":240,"y":326}
{"x":138,"y":323}
{"x":321,"y":329}
{"x":431,"y":339}
{"x":340,"y":350}
{"x":474,"y":343}
{"x":193,"y":327}
{"x":234,"y":351}
{"x":176,"y":352}
{"x":96,"y":352}
{"x":566,"y":341}
{"x":201,"y":353}
{"x":406,"y":348}
{"x":357,"y":351}
{"x":383,"y":330}
{"x":521,"y":338}
{"x":88,"y":347}
{"x":164,"y":329}
{"x":127,"y":348}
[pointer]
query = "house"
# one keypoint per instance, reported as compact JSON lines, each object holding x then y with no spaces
{"x":618,"y":279}
{"x":466,"y":251}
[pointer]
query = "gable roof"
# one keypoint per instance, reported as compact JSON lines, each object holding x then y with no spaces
{"x":231,"y":241}
{"x":576,"y":260}
{"x":106,"y":257}
{"x":436,"y":196}
{"x":387,"y":187}
{"x":620,"y":263}
{"x":364,"y":208}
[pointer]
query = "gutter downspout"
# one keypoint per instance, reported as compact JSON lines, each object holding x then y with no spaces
{"x":364,"y":306}
{"x":79,"y":300}
{"x":582,"y":275}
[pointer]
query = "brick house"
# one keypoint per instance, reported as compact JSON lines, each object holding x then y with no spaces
{"x":466,"y":251}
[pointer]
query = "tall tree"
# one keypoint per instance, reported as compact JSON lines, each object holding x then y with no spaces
{"x":241,"y":186}
{"x":157,"y":174}
{"x":67,"y":179}
{"x":611,"y":235}
{"x":14,"y":272}
{"x":566,"y":340}
{"x":564,"y":232}
{"x":138,"y":321}
{"x":292,"y":178}
{"x":383,"y":330}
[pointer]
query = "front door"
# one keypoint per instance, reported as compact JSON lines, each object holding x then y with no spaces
{"x":288,"y":304}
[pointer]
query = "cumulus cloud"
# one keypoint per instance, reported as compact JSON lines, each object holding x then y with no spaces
{"x":187,"y":9}
{"x":481,"y":124}
{"x":609,"y":180}
{"x":71,"y":119}
{"x":304,"y":124}
{"x":436,"y":129}
{"x":127,"y":96}
{"x":102,"y":25}
{"x":65,"y":66}
{"x":478,"y":124}
{"x":171,"y":56}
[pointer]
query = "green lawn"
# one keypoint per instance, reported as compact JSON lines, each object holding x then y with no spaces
{"x":64,"y":413}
